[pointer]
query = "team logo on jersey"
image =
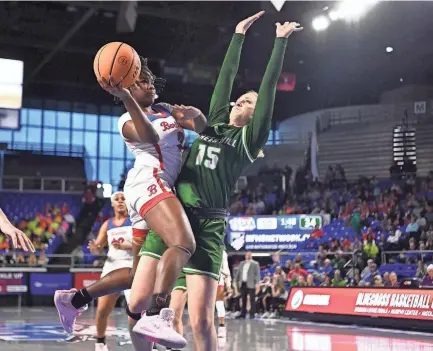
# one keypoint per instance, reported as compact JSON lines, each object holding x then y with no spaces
{"x":167,"y":126}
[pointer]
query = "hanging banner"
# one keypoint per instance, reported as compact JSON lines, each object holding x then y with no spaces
{"x":48,"y":283}
{"x":376,"y":302}
{"x":288,"y":233}
{"x":84,"y":280}
{"x":13,"y":283}
{"x":287,"y":81}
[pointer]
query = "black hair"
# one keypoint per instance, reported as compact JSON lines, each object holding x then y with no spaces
{"x":147,"y":75}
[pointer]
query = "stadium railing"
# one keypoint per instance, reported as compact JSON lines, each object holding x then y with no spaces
{"x":43,"y":184}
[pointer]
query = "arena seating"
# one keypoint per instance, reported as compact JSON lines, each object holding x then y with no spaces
{"x":20,"y":205}
{"x":357,"y":138}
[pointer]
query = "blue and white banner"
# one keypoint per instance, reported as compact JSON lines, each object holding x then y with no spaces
{"x":289,"y":233}
{"x":48,"y":283}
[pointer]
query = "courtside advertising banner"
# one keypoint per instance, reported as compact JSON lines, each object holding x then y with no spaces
{"x":378,"y":302}
{"x":289,"y":233}
{"x":84,"y":280}
{"x":48,"y":283}
{"x":12,"y":283}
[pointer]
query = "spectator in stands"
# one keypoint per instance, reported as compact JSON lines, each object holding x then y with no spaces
{"x":393,"y":281}
{"x":297,"y":271}
{"x":385,"y":278}
{"x":20,"y":259}
{"x":368,"y":278}
{"x":263,"y":293}
{"x":338,"y":281}
{"x":356,"y":278}
{"x":393,"y":239}
{"x":338,"y":262}
{"x":370,"y":249}
{"x":326,"y":281}
{"x":321,"y":256}
{"x":310,"y":280}
{"x":279,"y":271}
{"x":275,"y":262}
{"x":366,"y":268}
{"x":288,"y":267}
{"x":299,"y":260}
{"x":279,"y":296}
{"x":413,"y":226}
{"x":317,"y":233}
{"x":32,"y":260}
{"x":421,"y":270}
{"x":378,"y":281}
{"x":326,"y":269}
{"x":428,"y":279}
{"x":369,"y":232}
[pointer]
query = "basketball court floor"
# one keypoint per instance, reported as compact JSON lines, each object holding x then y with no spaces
{"x":38,"y":329}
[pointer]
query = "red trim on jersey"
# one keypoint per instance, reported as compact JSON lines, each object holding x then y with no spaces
{"x":139,"y":233}
{"x":158,"y":180}
{"x":158,"y":151}
{"x":155,"y":201}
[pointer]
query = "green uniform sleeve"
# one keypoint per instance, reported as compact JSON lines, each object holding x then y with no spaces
{"x":219,"y":105}
{"x":256,"y":133}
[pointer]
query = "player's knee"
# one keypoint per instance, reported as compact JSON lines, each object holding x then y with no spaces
{"x":131,"y":312}
{"x":202,"y":325}
{"x":187,"y":245}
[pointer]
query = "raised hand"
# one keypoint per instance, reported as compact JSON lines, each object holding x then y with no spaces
{"x":19,"y":239}
{"x":94,"y":249}
{"x":186,"y":112}
{"x":114,"y":88}
{"x":243,"y":26}
{"x":284,"y":30}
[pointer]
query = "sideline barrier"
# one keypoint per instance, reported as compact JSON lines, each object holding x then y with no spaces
{"x":370,"y":306}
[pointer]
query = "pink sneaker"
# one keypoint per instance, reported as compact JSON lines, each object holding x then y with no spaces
{"x":159,"y":329}
{"x":67,"y":313}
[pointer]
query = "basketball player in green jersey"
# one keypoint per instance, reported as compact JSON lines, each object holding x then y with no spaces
{"x":230,"y":143}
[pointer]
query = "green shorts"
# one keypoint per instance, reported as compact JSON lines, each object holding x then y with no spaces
{"x":207,"y":258}
{"x":180,"y":282}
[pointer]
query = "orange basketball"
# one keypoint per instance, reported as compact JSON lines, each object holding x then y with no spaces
{"x":117,"y":60}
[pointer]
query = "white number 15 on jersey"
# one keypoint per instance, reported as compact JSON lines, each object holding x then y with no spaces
{"x":208,"y":156}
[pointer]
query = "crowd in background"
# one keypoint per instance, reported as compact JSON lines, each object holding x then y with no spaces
{"x":53,"y":220}
{"x":393,"y":215}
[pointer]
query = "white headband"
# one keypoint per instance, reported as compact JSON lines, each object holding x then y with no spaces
{"x":113,"y":196}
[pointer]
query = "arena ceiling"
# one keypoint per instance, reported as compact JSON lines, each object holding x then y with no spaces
{"x":347,"y":64}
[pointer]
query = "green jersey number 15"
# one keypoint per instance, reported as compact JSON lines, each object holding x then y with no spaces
{"x":207,"y":156}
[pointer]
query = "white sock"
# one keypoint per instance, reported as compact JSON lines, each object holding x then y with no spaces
{"x":221,"y":310}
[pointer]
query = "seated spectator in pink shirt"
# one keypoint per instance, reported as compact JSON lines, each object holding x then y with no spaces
{"x":428,"y":279}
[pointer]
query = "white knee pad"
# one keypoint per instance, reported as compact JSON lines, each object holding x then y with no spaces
{"x":221,"y":310}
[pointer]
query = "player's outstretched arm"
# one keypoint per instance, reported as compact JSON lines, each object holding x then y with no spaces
{"x":257,"y":131}
{"x":190,"y":117}
{"x":141,"y":129}
{"x":96,"y":246}
{"x":19,"y":239}
{"x":220,"y":102}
